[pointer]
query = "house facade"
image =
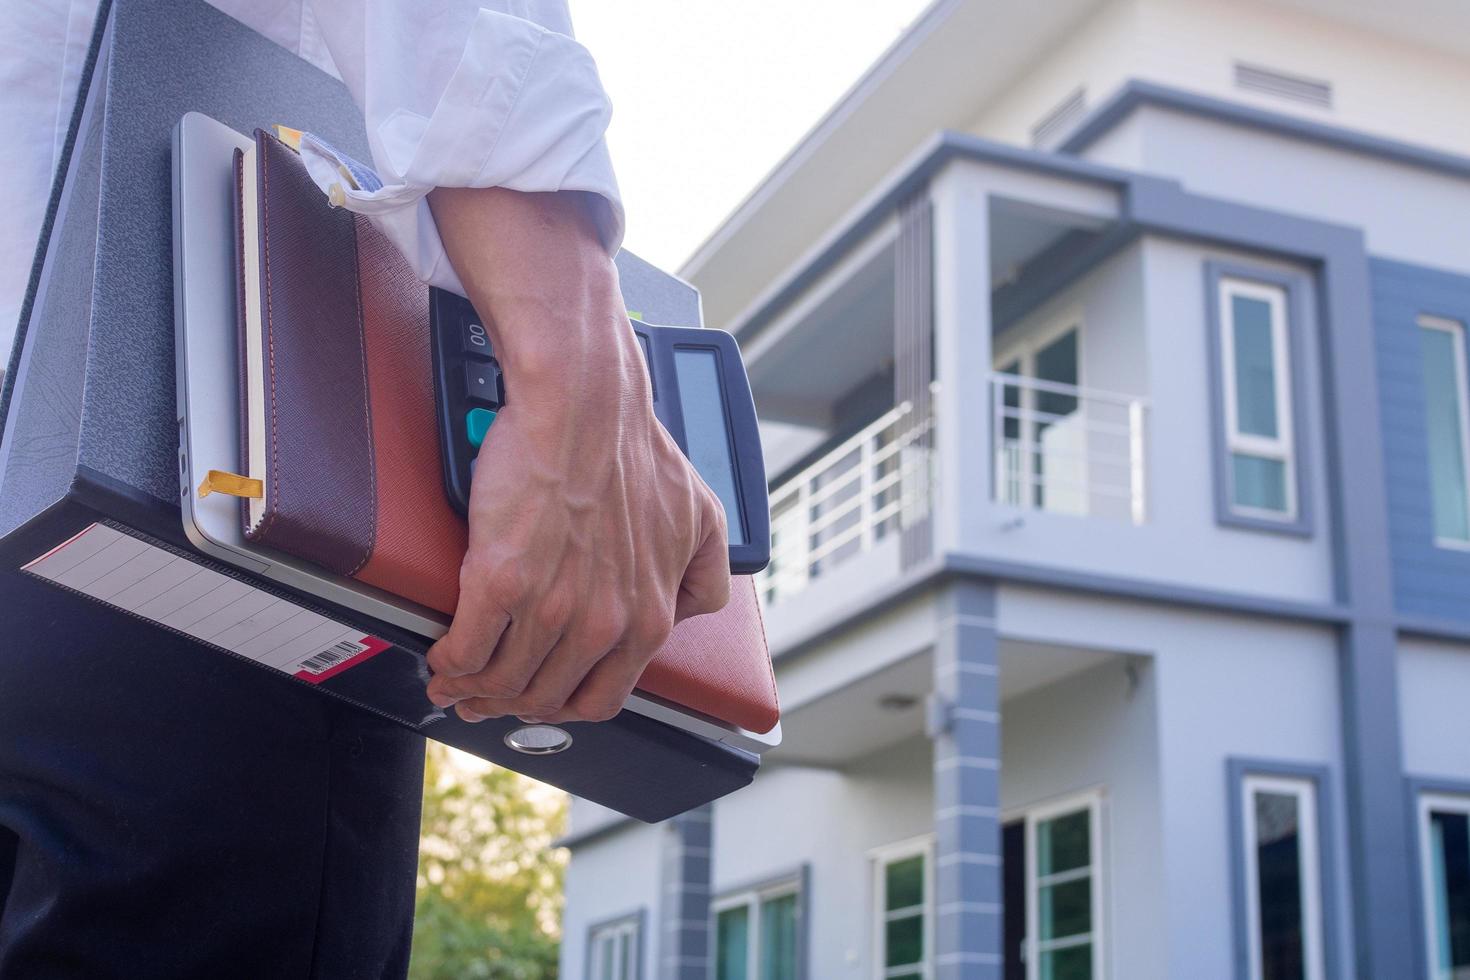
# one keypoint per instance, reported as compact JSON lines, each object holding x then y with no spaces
{"x":1113,"y":363}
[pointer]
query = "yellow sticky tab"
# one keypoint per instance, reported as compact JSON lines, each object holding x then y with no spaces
{"x":219,"y":481}
{"x":291,"y":137}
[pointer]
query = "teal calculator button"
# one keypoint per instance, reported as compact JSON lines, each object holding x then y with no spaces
{"x":477,"y":423}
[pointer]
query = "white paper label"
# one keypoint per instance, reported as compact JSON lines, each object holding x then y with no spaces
{"x":161,"y":587}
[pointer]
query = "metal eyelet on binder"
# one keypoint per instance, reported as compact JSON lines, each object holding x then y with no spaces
{"x":538,"y":739}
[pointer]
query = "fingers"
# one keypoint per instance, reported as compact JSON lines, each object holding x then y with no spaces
{"x":706,"y":585}
{"x":509,"y":669}
{"x":586,"y":677}
{"x":476,"y":629}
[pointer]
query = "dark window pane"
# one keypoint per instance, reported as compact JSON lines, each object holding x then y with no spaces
{"x":1011,"y":398}
{"x":778,"y":938}
{"x":1255,"y":368}
{"x":905,"y":941}
{"x":1063,"y":844}
{"x":732,"y":936}
{"x":1013,"y":872}
{"x":1450,"y":854}
{"x":1278,"y":868}
{"x":905,"y":887}
{"x":1072,"y":963}
{"x":1057,"y":362}
{"x":1066,"y":909}
{"x":1257,"y":482}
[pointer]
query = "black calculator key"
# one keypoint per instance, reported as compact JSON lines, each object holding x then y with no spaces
{"x":475,"y":340}
{"x":482,"y":382}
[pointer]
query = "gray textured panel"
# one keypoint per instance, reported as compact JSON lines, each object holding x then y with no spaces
{"x":1428,"y":580}
{"x":657,"y":296}
{"x":168,"y":58}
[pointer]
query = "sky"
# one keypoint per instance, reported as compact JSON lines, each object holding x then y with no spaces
{"x":709,"y":95}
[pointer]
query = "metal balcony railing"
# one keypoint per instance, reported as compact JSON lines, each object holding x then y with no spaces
{"x":863,"y":491}
{"x":1067,"y":449}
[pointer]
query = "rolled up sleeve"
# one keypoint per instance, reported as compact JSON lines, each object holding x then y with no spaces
{"x":465,"y":94}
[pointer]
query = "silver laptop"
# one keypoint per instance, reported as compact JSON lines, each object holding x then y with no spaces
{"x":209,"y":423}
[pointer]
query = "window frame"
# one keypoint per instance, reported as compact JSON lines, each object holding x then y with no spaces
{"x":1426,"y":799}
{"x":1292,"y":313}
{"x":753,"y":896}
{"x":880,"y":858}
{"x":1457,"y":331}
{"x":1320,"y":906}
{"x":1305,"y":793}
{"x":1022,"y":350}
{"x":1282,"y":447}
{"x":629,"y":922}
{"x":1092,"y":801}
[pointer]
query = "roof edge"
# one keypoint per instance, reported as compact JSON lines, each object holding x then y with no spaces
{"x":1136,"y":92}
{"x":893,"y":57}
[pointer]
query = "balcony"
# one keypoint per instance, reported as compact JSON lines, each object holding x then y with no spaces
{"x":1067,"y":449}
{"x":859,"y":494}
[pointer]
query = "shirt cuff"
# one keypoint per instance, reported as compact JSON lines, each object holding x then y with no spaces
{"x":524,"y":109}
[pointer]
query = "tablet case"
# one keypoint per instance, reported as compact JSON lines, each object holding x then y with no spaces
{"x":353,"y":477}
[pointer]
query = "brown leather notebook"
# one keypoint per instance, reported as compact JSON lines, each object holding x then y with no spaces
{"x":337,"y":395}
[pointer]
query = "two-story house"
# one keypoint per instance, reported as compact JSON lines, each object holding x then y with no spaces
{"x":1113,"y":360}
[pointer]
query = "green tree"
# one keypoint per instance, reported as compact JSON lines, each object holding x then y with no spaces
{"x":489,"y":886}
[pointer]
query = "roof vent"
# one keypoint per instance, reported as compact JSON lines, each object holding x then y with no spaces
{"x":1052,"y":126}
{"x":1269,"y":81}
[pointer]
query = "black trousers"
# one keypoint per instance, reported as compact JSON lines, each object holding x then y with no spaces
{"x":167,"y":811}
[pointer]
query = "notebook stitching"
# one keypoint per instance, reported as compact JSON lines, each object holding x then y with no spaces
{"x":366,"y":404}
{"x":273,"y":507}
{"x":760,"y":618}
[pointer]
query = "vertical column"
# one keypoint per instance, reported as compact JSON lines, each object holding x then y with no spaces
{"x":965,"y":727}
{"x":684,"y":952}
{"x":913,"y":373}
{"x":961,"y":276}
{"x":1380,"y":827}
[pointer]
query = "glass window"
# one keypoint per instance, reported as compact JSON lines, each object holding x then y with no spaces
{"x":1444,"y":829}
{"x":756,"y":934}
{"x":904,"y":913}
{"x":1062,"y":893}
{"x":1442,"y":346}
{"x":1257,"y":386}
{"x":1282,"y":880}
{"x":614,"y":951}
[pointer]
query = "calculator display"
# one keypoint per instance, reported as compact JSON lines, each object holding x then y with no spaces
{"x":702,"y":399}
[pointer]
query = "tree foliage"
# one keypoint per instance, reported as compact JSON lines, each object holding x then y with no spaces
{"x":489,"y":886}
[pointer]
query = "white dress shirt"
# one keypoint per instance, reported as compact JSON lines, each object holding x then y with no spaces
{"x":454,"y":93}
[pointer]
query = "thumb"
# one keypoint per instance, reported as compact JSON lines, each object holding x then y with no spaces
{"x":706,"y":585}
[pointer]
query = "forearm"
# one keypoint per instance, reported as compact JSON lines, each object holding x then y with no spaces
{"x":591,"y":535}
{"x":535,"y":268}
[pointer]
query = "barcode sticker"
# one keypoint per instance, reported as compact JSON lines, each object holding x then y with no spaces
{"x":155,"y":584}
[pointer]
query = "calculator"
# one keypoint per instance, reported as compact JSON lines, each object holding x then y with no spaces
{"x":701,"y":395}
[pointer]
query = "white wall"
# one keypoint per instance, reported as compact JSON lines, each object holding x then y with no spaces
{"x":1145,"y":333}
{"x":1434,"y":689}
{"x":608,"y":878}
{"x":1226,"y":686}
{"x":1098,"y":730}
{"x":1402,"y":209}
{"x":831,"y":820}
{"x":1381,"y":85}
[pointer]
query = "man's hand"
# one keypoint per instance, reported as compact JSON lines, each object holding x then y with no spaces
{"x":590,"y":533}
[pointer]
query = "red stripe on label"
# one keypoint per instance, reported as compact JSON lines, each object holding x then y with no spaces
{"x":375,"y":646}
{"x":37,"y":561}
